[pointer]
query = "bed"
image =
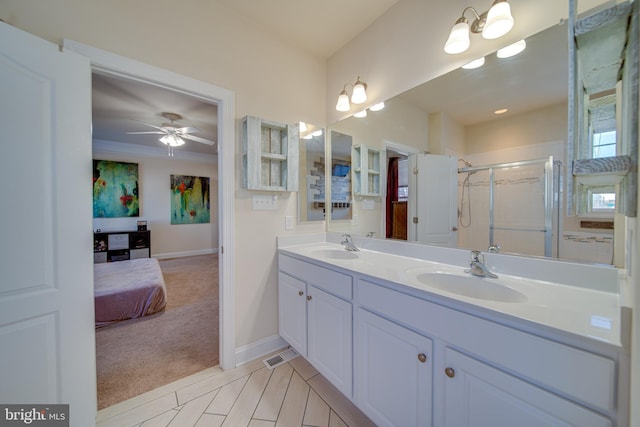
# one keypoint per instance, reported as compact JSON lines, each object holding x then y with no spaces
{"x":128,"y":290}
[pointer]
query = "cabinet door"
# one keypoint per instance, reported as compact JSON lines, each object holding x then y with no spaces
{"x":330,"y":338}
{"x":393,"y":373}
{"x":292,"y":312}
{"x":479,"y":395}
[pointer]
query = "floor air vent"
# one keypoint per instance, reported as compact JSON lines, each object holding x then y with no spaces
{"x":281,"y":358}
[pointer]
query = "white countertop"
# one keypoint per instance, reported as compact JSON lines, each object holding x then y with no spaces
{"x":583,"y":311}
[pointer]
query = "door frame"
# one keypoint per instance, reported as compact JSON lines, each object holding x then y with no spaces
{"x":114,"y":65}
{"x":400,"y":148}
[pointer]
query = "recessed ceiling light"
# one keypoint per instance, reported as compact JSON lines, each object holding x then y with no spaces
{"x":501,"y":111}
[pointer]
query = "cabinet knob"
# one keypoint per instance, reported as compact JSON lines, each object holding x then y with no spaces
{"x":422,"y":357}
{"x":308,"y":297}
{"x":450,"y":372}
{"x":300,"y":293}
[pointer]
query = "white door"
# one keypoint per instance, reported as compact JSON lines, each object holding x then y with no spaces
{"x":46,"y":293}
{"x":433,"y":199}
{"x":393,"y":380}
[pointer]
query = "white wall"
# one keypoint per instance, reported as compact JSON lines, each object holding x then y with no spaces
{"x":154,"y":171}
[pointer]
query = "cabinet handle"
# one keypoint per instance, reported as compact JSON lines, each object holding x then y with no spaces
{"x":450,"y":372}
{"x":300,"y":293}
{"x":422,"y":357}
{"x":308,"y":297}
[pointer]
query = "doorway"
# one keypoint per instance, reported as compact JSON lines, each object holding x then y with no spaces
{"x":110,"y":64}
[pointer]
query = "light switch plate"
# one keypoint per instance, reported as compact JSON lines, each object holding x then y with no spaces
{"x":264,"y":202}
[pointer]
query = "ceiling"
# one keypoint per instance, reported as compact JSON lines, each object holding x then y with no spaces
{"x":121,"y":106}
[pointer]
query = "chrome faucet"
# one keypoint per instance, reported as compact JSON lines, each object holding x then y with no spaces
{"x":348,"y":243}
{"x":495,"y":248}
{"x":477,"y":266}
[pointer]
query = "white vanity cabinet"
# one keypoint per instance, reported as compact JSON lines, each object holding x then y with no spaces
{"x":393,"y":372}
{"x":478,"y":395}
{"x":478,"y":372}
{"x":316,"y":318}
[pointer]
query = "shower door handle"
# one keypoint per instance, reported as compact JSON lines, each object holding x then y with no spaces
{"x":454,"y":228}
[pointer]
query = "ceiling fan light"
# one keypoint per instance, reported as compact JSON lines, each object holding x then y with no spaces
{"x":512,"y":49}
{"x":499,"y":20}
{"x":359,"y":94}
{"x":172,"y":140}
{"x":343,"y":101}
{"x":458,"y":40}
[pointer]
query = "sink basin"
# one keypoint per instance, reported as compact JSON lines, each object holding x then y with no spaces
{"x":472,"y":286}
{"x":334,"y":254}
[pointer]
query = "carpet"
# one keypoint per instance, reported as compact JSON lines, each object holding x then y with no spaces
{"x":138,"y":355}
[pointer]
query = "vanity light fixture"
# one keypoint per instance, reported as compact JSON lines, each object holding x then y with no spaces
{"x":476,"y":63}
{"x":494,"y":23}
{"x":361,"y":114}
{"x":377,"y":107}
{"x":358,"y":96}
{"x":501,"y":111}
{"x":512,"y":49}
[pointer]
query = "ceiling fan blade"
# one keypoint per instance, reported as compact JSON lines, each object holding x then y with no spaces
{"x":187,"y":129}
{"x":197,"y":139}
{"x":155,"y":132}
{"x":153,"y":126}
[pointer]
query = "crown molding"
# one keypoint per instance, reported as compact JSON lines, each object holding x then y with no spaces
{"x":142,"y":150}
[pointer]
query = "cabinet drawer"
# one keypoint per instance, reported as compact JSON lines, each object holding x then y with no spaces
{"x":335,"y":283}
{"x":586,"y":377}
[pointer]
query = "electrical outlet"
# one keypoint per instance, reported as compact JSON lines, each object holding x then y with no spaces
{"x":264,"y":202}
{"x":288,"y":222}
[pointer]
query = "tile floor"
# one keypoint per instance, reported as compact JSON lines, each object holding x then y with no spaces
{"x":292,"y":394}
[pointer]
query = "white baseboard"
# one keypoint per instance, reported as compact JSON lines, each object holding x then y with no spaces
{"x":185,"y":253}
{"x":257,"y":349}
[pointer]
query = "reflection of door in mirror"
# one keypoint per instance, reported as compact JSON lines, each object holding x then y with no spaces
{"x":397,"y":195}
{"x":311,"y":197}
{"x":341,"y":197}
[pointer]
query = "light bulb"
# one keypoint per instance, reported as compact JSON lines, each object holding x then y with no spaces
{"x":512,"y":49}
{"x":458,"y":40}
{"x":476,"y":63}
{"x":343,"y":102}
{"x":359,"y":94}
{"x":499,"y":20}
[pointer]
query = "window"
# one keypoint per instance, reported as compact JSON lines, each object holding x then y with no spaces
{"x":601,"y":200}
{"x":603,"y":144}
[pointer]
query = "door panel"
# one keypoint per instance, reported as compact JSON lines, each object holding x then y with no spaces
{"x":46,"y":294}
{"x":433,"y":199}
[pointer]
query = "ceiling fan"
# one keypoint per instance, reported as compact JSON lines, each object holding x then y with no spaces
{"x":173,"y":134}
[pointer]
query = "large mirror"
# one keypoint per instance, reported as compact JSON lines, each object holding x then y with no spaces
{"x":509,"y":185}
{"x":311,"y":185}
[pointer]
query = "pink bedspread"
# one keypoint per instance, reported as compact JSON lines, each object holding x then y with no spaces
{"x":128,"y":290}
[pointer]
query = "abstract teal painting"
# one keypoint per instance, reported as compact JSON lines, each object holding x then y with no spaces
{"x":115,"y":189}
{"x":189,"y":199}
